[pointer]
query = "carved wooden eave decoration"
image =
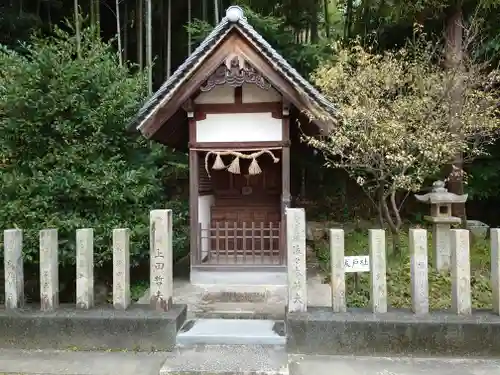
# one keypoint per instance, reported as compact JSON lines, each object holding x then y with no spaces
{"x":235,"y":72}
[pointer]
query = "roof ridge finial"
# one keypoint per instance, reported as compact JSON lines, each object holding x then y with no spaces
{"x":235,"y":13}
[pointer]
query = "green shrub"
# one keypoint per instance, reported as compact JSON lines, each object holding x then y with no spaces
{"x":67,"y":160}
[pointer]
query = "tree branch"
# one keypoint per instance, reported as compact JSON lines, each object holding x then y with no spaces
{"x":395,"y":209}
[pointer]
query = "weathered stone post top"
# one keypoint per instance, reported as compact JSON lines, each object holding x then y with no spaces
{"x":441,"y":200}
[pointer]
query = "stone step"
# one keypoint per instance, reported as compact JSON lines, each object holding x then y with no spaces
{"x":232,"y":332}
{"x":240,"y":310}
{"x":243,"y":295}
{"x":227,"y":359}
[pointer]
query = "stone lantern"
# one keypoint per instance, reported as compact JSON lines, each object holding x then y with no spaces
{"x":440,"y":217}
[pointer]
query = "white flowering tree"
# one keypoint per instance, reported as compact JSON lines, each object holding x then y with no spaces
{"x":393,"y":128}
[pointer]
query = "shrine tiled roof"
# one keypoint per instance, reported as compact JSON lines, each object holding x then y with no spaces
{"x":234,"y":19}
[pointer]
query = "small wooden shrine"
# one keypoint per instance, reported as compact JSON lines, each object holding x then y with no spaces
{"x":234,"y":103}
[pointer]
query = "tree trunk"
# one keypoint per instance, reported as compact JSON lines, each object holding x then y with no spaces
{"x":125,"y":32}
{"x":139,"y":24}
{"x":327,"y":17}
{"x":91,"y":11}
{"x":38,"y":7}
{"x":396,"y":242}
{"x":204,"y":10}
{"x":118,"y":32}
{"x":314,"y":21}
{"x":454,"y":57}
{"x":98,"y":15}
{"x":163,"y":41}
{"x":49,"y":15}
{"x":189,"y":27}
{"x":77,"y":29}
{"x":348,"y":19}
{"x":169,"y":39}
{"x":216,"y":11}
{"x":149,"y":45}
{"x":390,"y":213}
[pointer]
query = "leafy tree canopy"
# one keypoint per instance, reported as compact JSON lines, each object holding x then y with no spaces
{"x":394,"y":130}
{"x":67,"y":160}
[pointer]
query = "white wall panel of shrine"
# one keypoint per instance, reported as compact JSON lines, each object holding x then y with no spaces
{"x":205,"y":202}
{"x":239,"y":127}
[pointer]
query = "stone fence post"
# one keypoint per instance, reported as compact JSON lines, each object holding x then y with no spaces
{"x":495,"y":268}
{"x":84,"y":268}
{"x":161,"y":259}
{"x":296,"y":255}
{"x":419,"y":269}
{"x":49,"y":270}
{"x":337,"y":270}
{"x":378,"y":280}
{"x":461,"y":301}
{"x":13,"y":267}
{"x":121,"y":268}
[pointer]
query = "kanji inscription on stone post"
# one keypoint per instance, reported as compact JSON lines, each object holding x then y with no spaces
{"x":121,"y":268}
{"x":85,"y":268}
{"x":49,"y":270}
{"x":14,"y":276}
{"x":161,"y":277}
{"x":461,"y":298}
{"x":378,"y":281}
{"x":296,"y":253}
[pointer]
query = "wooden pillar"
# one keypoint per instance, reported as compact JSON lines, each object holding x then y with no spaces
{"x":194,"y":181}
{"x":193,"y":205}
{"x":285,"y":176}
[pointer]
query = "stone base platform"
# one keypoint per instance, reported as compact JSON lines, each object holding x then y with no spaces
{"x":399,"y":332}
{"x":138,"y":328}
{"x":232,"y":332}
{"x":242,"y":301}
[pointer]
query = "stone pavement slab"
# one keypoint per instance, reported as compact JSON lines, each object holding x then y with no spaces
{"x":355,"y":365}
{"x":227,"y":360}
{"x":231,"y":360}
{"x":56,"y":362}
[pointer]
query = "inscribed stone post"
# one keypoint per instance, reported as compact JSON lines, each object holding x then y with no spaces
{"x":121,"y":268}
{"x":441,"y":245}
{"x":161,"y":258}
{"x":461,"y":302}
{"x":337,"y":270}
{"x":296,"y":255}
{"x":495,"y":268}
{"x":13,"y":267}
{"x":84,"y":268}
{"x":378,"y":295}
{"x":49,"y":270}
{"x":419,"y":271}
